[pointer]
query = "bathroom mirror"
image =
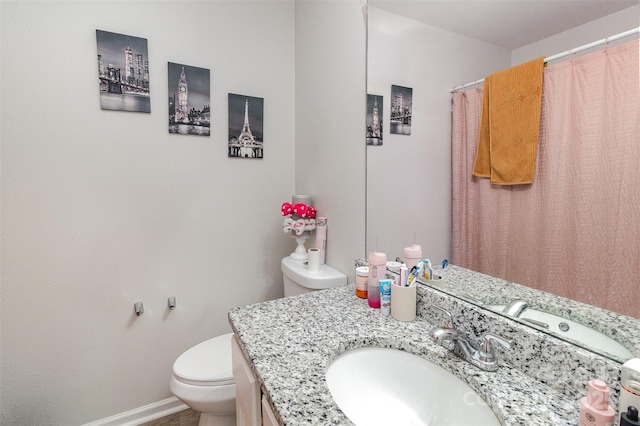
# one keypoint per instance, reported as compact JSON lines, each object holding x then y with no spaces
{"x":606,"y":333}
{"x":408,"y":171}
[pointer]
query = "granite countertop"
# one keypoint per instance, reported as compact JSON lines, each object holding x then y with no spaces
{"x":475,"y":286}
{"x":291,"y":342}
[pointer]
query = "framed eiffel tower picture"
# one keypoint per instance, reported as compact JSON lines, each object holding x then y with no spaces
{"x":246,"y":123}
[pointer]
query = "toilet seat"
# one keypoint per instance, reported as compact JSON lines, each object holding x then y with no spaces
{"x":207,"y":363}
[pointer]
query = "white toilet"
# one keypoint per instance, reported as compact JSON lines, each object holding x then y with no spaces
{"x":203,"y":377}
{"x":298,"y":279}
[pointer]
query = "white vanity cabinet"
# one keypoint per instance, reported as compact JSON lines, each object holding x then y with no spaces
{"x":268,"y":417}
{"x":249,"y":410}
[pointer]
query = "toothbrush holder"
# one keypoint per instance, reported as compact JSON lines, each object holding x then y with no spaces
{"x":403,"y":302}
{"x":437,"y":281}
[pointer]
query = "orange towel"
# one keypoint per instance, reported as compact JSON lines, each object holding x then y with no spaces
{"x":508,"y":141}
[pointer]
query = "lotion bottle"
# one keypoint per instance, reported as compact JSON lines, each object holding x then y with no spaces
{"x":629,"y":385}
{"x":321,"y":237}
{"x":377,"y":271}
{"x":412,"y":255}
{"x":630,"y":417}
{"x":594,"y":408}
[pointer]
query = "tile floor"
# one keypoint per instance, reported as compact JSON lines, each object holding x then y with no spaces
{"x":182,"y":418}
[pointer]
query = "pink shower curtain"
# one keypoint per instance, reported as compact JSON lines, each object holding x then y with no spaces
{"x":574,"y":232}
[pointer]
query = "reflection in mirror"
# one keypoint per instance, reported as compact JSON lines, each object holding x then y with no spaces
{"x":570,"y":330}
{"x":409,"y":176}
{"x":607,"y":333}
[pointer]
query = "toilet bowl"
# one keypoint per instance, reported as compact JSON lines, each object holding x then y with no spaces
{"x":203,"y":375}
{"x":203,"y":379}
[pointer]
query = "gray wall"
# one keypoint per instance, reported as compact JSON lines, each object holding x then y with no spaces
{"x":330,"y":116}
{"x":598,"y":29}
{"x":101,"y":209}
{"x":409,"y":176}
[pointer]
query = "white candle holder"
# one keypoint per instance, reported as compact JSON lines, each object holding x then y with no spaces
{"x":300,"y":227}
{"x":300,"y":252}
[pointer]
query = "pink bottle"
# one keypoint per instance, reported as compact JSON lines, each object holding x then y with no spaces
{"x":321,"y":237}
{"x":377,"y":271}
{"x":594,"y":408}
{"x":412,"y":255}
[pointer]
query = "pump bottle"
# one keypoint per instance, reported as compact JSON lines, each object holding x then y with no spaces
{"x":629,"y":385}
{"x":630,"y":417}
{"x":594,"y":408}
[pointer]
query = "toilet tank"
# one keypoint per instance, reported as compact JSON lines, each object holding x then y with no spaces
{"x":298,"y":279}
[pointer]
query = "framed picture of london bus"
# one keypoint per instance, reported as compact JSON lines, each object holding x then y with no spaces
{"x":246,"y":124}
{"x":189,"y":96}
{"x":123,"y":72}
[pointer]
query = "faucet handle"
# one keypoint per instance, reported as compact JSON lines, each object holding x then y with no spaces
{"x":486,"y":353}
{"x":449,"y":323}
{"x":516,"y":308}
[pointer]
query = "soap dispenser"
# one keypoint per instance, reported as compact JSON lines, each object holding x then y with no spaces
{"x":630,"y":418}
{"x":594,"y":408}
{"x":630,"y":385}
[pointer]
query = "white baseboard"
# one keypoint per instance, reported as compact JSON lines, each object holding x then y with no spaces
{"x":144,"y":414}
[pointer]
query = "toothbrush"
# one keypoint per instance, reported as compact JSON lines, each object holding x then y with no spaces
{"x":404,"y":272}
{"x":428,"y":269}
{"x":415,"y":272}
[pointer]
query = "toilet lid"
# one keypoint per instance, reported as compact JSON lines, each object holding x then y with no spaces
{"x":207,"y":363}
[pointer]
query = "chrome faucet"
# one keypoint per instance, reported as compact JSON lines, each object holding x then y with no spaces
{"x":482,"y":356}
{"x":515,"y":308}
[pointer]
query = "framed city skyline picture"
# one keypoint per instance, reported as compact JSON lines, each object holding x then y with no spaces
{"x":123,"y":72}
{"x":189,"y":99}
{"x":400,"y":111}
{"x":246,"y":124}
{"x":374,"y":119}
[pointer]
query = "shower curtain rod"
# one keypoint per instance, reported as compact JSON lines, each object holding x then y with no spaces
{"x":563,"y":54}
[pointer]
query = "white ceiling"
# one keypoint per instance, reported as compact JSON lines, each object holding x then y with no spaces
{"x":506,"y":23}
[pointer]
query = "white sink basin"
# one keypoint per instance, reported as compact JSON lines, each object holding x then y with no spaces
{"x":572,"y":330}
{"x":379,"y":386}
